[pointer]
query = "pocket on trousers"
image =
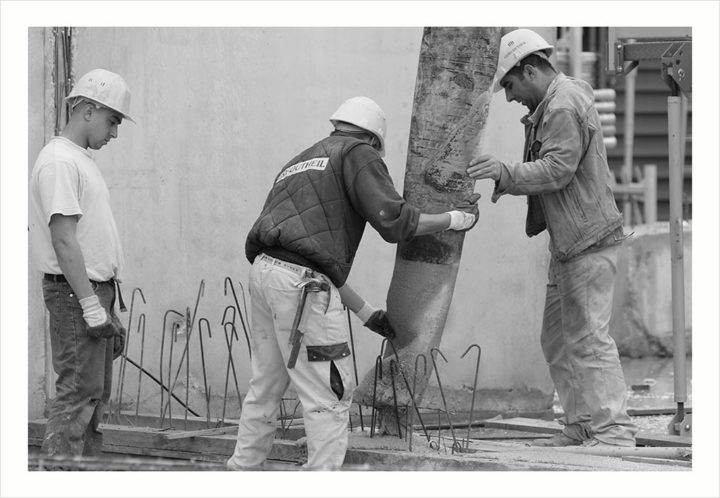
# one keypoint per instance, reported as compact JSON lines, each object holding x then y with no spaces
{"x":331,"y":353}
{"x":328,"y":352}
{"x":336,"y":383}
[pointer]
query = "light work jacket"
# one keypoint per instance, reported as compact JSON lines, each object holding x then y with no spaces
{"x":565,"y":174}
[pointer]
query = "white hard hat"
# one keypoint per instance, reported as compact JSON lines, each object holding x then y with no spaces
{"x":363,"y":113}
{"x":514,"y":47}
{"x":106,"y":88}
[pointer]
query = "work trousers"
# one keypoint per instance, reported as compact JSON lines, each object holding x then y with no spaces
{"x":583,"y":359}
{"x":324,"y":386}
{"x":83,"y":366}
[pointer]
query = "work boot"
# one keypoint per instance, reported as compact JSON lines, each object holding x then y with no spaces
{"x":596,"y":443}
{"x":557,"y":440}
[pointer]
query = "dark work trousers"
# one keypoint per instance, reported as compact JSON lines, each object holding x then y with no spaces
{"x":83,"y":366}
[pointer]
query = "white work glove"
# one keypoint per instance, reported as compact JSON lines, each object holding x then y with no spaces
{"x":460,"y":220}
{"x":93,"y":313}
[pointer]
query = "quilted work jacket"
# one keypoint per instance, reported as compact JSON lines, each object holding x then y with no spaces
{"x":565,"y":173}
{"x":316,"y":210}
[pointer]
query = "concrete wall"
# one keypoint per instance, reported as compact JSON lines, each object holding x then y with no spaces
{"x":40,"y":128}
{"x":218,"y":112}
{"x":642,"y":323}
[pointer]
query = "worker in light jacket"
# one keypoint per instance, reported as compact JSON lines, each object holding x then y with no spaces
{"x":566,"y":177}
{"x":305,"y":239}
{"x":74,"y":243}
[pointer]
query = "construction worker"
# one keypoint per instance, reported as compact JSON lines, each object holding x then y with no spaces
{"x":74,"y":242}
{"x":566,"y":177}
{"x":303,"y":244}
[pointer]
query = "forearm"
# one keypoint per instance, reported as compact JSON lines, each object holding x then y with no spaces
{"x":537,"y":177}
{"x":432,"y":223}
{"x":350,"y":298}
{"x":72,"y":265}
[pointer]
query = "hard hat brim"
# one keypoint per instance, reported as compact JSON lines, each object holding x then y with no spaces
{"x":125,"y":116}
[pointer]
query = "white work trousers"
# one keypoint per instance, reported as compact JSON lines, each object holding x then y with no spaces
{"x":583,"y":358}
{"x":275,"y":297}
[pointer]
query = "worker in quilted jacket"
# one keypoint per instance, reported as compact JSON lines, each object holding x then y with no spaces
{"x":303,"y":244}
{"x":566,"y":177}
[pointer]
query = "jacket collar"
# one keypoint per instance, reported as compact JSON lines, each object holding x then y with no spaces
{"x":533,"y":118}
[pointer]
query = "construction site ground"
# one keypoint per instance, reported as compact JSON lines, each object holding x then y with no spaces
{"x":494,"y":444}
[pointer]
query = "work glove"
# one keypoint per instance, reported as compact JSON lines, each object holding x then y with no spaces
{"x":376,"y":320}
{"x":118,"y":338}
{"x":466,"y":214}
{"x":379,"y":323}
{"x":99,"y":324}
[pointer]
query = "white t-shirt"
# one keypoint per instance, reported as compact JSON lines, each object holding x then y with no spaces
{"x":65,"y":180}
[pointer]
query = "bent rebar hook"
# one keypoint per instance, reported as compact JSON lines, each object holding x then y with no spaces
{"x":455,"y":445}
{"x":141,"y":323}
{"x":415,"y":371}
{"x":202,"y":360}
{"x":393,"y":373}
{"x":162,"y":349}
{"x":231,"y":363}
{"x":123,"y":359}
{"x":237,"y":307}
{"x":472,"y":403}
{"x":407,"y":384}
{"x":377,"y":374}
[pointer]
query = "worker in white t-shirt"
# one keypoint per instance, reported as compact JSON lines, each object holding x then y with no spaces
{"x":74,"y":243}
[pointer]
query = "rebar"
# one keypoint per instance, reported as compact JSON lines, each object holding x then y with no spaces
{"x":407,"y":385}
{"x":162,"y":349}
{"x":162,"y":386}
{"x":415,"y":371}
{"x":230,"y":364}
{"x":224,"y":321}
{"x":442,"y":393}
{"x":352,"y":347}
{"x":393,"y":372}
{"x":185,"y":353}
{"x":173,"y":340}
{"x":121,"y":370}
{"x":237,"y":306}
{"x":202,"y":361}
{"x":378,"y":374}
{"x":472,"y":403}
{"x":141,"y":321}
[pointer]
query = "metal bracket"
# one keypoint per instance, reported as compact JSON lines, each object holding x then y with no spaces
{"x":677,"y":64}
{"x":674,"y":54}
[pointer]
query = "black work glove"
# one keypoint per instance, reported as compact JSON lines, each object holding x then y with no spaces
{"x":104,"y":331}
{"x":118,"y":338}
{"x":379,"y":323}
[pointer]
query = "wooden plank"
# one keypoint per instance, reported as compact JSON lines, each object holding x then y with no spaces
{"x":552,"y":427}
{"x":146,"y":442}
{"x":152,"y":442}
{"x":670,"y":410}
{"x":658,"y":461}
{"x":526,"y":424}
{"x":201,"y":432}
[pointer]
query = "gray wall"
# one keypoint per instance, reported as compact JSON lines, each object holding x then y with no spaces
{"x":218,"y":112}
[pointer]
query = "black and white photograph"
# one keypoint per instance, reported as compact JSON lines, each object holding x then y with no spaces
{"x":421,"y":248}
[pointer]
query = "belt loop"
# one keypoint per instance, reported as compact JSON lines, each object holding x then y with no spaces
{"x":119,"y":294}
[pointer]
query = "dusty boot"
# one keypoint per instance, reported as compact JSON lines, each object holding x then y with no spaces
{"x":557,"y":440}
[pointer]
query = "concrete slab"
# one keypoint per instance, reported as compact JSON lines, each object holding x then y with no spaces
{"x":380,"y":453}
